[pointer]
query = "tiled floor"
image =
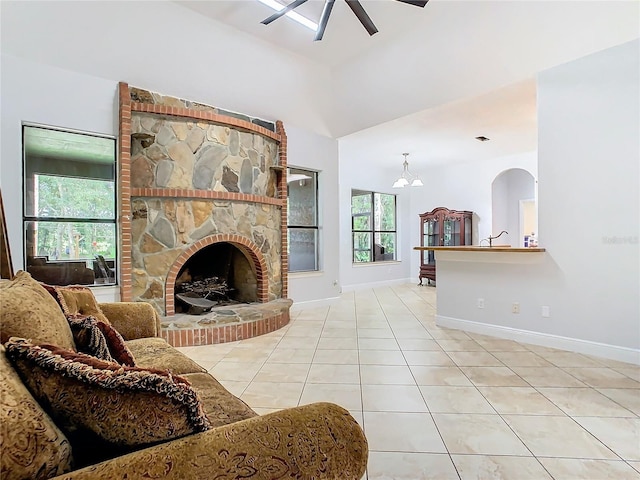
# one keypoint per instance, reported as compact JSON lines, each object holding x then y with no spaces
{"x":439,"y":403}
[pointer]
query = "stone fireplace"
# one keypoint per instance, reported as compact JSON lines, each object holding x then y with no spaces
{"x":202,"y":194}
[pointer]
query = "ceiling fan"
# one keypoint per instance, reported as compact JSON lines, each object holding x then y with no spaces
{"x":356,"y":8}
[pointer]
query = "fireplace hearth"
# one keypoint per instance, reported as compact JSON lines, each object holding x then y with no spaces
{"x":203,"y":196}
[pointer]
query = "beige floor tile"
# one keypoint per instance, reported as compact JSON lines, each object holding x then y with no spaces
{"x":283,"y":372}
{"x":247,"y":355}
{"x":455,"y":400}
{"x":291,"y":355}
{"x":622,"y":435}
{"x":336,"y":357}
{"x":345,"y":395}
{"x":575,"y":468}
{"x":402,"y":432}
{"x":339,"y":332}
{"x":412,"y":333}
{"x":392,"y":398}
{"x":460,"y":345}
{"x":493,"y":377}
{"x":375,"y":333}
{"x":350,"y":343}
{"x":434,"y":375}
{"x":262,"y":341}
{"x":631,"y":372}
{"x":386,"y":375}
{"x":440,"y":333}
{"x":478,"y":434}
{"x":500,"y":345}
{"x":378,"y":344}
{"x":602,"y":378}
{"x":327,"y":373}
{"x":238,"y":371}
{"x":268,"y":395}
{"x":265,"y":411}
{"x":491,"y":467}
{"x":381,"y":357}
{"x":299,"y":343}
{"x":570,"y":359}
{"x":235,"y":387}
{"x":475,"y":359}
{"x":550,"y":436}
{"x":547,"y":377}
{"x":607,"y":362}
{"x":635,"y":465}
{"x":521,"y":359}
{"x":585,"y":402}
{"x":410,"y":466}
{"x":435,"y":358}
{"x":419,"y":344}
{"x":519,"y":400}
{"x":629,"y":398}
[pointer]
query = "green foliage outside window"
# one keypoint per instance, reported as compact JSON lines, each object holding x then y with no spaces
{"x":373,"y":223}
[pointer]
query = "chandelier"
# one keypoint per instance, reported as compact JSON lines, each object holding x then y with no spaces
{"x":407,"y":178}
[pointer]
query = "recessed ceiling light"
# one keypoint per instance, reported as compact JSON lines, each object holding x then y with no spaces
{"x":483,"y":138}
{"x":277,"y":6}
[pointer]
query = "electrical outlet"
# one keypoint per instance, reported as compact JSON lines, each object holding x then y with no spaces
{"x":546,"y":313}
{"x":515,"y":307}
{"x":480,"y":303}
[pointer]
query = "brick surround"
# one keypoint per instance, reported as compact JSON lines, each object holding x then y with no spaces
{"x":155,"y":206}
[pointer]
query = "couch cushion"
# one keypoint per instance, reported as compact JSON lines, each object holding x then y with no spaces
{"x":28,"y":311}
{"x":31,"y":446}
{"x":100,"y":340}
{"x":75,"y":300}
{"x":157,"y":353}
{"x":103,"y":405}
{"x":221,"y":406}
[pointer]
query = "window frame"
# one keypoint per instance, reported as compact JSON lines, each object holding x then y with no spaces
{"x":28,"y":219}
{"x":372,"y":230}
{"x":315,"y":226}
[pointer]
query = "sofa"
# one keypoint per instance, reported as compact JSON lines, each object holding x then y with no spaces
{"x":145,"y":410}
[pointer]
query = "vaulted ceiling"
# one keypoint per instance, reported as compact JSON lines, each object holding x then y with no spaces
{"x":432,"y":79}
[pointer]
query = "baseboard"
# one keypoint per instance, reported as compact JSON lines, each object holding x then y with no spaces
{"x":382,"y":283}
{"x":323,"y":302}
{"x":613,"y":352}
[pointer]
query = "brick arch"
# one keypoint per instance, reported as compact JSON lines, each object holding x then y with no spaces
{"x":247,"y":247}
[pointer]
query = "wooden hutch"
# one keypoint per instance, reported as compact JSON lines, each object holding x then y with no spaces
{"x":441,"y":227}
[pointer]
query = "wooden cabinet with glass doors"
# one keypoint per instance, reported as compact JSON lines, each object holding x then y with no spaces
{"x":439,"y":228}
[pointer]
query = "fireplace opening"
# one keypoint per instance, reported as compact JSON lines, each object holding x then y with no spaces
{"x":217,"y":275}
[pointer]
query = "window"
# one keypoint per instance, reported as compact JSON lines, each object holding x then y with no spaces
{"x":302,"y":202}
{"x":69,"y":206}
{"x":373,"y":224}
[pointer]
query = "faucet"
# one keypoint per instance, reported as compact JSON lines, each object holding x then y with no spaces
{"x":490,"y":238}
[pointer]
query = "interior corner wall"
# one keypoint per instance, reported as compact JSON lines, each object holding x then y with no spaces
{"x":319,"y":153}
{"x":464,"y":186}
{"x":589,"y":194}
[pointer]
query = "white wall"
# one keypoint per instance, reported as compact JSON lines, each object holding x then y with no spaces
{"x":464,"y":186}
{"x":589,"y":213}
{"x":80,"y":92}
{"x":307,"y":150}
{"x":508,"y":189}
{"x":354,"y":174}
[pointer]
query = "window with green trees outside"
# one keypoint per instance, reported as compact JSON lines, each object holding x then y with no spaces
{"x":373,"y":225}
{"x":69,"y":206}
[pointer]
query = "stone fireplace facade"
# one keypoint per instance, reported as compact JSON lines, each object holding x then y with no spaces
{"x":191,"y":177}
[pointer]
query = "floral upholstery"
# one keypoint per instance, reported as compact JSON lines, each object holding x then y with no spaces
{"x":28,"y":311}
{"x":320,"y":441}
{"x":31,"y":446}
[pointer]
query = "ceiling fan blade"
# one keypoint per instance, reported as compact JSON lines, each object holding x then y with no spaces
{"x":324,"y":18}
{"x":417,"y":3}
{"x":366,"y":22}
{"x":282,"y":12}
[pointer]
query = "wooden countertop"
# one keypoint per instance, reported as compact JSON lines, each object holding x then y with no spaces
{"x":476,"y":248}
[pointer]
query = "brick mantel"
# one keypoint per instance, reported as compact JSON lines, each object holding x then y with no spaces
{"x":187,"y":171}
